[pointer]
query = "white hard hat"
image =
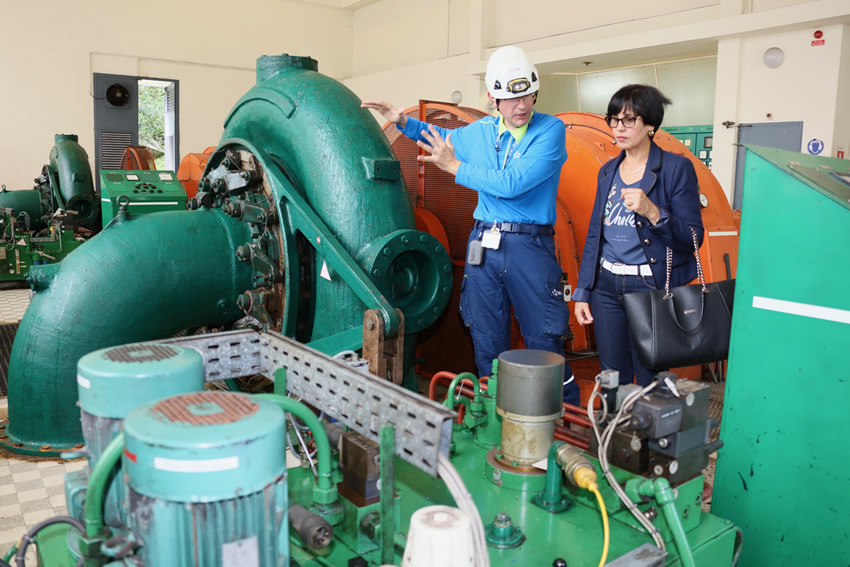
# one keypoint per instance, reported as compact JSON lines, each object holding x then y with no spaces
{"x":511,"y":74}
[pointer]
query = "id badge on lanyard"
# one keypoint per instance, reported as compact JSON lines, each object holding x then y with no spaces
{"x":491,"y":238}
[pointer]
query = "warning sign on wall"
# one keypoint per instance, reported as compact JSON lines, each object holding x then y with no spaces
{"x":818,"y":42}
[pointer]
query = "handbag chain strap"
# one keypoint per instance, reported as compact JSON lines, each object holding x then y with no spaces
{"x":701,"y":277}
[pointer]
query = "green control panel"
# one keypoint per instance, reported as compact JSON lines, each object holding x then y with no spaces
{"x":146,"y":192}
{"x":698,"y":139}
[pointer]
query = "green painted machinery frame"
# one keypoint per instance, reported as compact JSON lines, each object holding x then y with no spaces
{"x":783,"y":473}
{"x":302,"y":223}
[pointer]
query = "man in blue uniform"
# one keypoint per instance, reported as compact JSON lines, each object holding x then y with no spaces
{"x":514,"y":162}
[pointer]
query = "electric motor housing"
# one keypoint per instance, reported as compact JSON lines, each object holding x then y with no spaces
{"x":111,"y":382}
{"x":206,"y":477}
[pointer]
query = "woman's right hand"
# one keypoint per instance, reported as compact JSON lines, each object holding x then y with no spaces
{"x":387,"y":110}
{"x":583,"y":315}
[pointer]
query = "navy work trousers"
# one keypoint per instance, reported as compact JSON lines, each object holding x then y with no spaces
{"x":522,"y":272}
{"x":611,"y":327}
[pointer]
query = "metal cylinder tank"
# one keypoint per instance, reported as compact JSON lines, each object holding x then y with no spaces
{"x":529,"y":401}
{"x":206,"y":479}
{"x":113,"y":381}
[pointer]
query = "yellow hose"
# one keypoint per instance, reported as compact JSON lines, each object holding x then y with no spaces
{"x":604,"y":525}
{"x":585,"y":477}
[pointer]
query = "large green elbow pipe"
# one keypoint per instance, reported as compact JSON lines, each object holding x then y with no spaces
{"x":142,"y":279}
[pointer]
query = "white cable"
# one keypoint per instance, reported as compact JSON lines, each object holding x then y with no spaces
{"x":607,"y":435}
{"x":603,"y":440}
{"x":303,"y":446}
{"x":465,"y":503}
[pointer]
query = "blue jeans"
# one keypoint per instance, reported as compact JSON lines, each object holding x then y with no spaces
{"x":523,"y":273}
{"x":611,"y":328}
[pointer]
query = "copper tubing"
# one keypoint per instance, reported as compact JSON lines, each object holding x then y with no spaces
{"x":564,"y":434}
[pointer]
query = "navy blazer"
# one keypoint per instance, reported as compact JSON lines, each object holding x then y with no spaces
{"x":670,"y":182}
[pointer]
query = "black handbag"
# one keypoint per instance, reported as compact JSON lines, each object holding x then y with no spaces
{"x":683,"y":326}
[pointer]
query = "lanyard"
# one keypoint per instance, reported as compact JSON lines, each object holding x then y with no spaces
{"x":508,"y":153}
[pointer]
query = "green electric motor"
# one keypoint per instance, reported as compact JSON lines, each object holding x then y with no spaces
{"x":111,"y":382}
{"x":206,"y":478}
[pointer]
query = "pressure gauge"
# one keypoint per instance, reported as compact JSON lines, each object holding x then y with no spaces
{"x":703,"y":200}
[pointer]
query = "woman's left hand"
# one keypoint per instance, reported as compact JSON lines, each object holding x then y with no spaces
{"x":636,"y":200}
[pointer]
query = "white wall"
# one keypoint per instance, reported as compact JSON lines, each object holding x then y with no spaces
{"x":805,"y":88}
{"x":841,"y":136}
{"x":50,"y":48}
{"x":723,"y":38}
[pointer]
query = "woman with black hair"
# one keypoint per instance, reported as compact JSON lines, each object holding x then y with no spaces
{"x":647,"y":200}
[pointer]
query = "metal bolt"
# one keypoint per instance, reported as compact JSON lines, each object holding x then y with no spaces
{"x":663,"y":442}
{"x":422,"y":238}
{"x":370,"y":324}
{"x":497,"y":475}
{"x":388,"y":251}
{"x":651,"y":514}
{"x":502,"y":520}
{"x":658,"y":470}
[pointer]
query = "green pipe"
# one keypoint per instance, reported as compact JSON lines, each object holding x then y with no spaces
{"x":661,"y":490}
{"x":98,"y":484}
{"x":476,"y":388}
{"x":10,"y":553}
{"x":147,"y":278}
{"x":325,"y":491}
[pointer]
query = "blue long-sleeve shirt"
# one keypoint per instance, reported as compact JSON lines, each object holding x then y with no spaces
{"x":515,"y":181}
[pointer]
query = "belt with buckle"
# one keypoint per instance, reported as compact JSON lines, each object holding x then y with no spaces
{"x":517,"y":227}
{"x":621,"y":269}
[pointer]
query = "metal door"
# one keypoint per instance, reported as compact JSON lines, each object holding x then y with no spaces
{"x":779,"y":135}
{"x":116,"y":119}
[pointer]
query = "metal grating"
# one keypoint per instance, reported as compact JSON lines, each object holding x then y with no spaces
{"x":140,"y":353}
{"x":360,"y":401}
{"x":113,"y":145}
{"x":363,"y":402}
{"x":206,"y":408}
{"x":234,"y":354}
{"x":7,"y":337}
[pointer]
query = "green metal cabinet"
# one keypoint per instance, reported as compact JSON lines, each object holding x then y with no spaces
{"x":784,"y":471}
{"x":698,"y":139}
{"x":146,"y":192}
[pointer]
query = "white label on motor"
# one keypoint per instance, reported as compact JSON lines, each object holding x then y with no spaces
{"x":241,"y":553}
{"x":206,"y":465}
{"x":84,"y":382}
{"x":165,"y":177}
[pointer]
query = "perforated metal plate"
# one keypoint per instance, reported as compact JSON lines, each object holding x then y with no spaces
{"x":206,"y":408}
{"x":360,"y":401}
{"x":140,"y":353}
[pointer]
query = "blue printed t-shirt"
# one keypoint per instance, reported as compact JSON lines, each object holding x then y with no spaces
{"x":620,"y":242}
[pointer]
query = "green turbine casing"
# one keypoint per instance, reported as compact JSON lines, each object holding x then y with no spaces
{"x":142,"y":279}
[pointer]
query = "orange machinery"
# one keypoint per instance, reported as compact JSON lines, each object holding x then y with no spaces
{"x":444,"y":209}
{"x":192,"y":169}
{"x":137,"y":158}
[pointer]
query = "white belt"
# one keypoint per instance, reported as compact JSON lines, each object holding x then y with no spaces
{"x":626,"y":269}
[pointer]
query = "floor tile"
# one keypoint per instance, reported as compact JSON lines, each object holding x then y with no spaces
{"x":30,"y":495}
